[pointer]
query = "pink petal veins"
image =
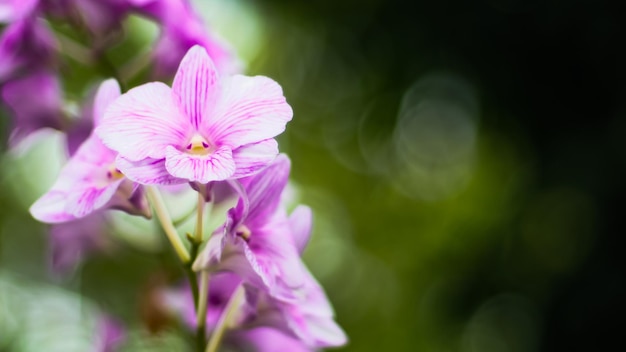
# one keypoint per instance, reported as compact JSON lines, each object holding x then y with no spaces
{"x":216,"y":166}
{"x":143,"y":122}
{"x":147,"y":172}
{"x":196,"y":84}
{"x":250,"y":109}
{"x":252,"y":158}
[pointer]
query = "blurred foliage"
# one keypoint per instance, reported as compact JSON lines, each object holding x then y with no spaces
{"x":464,"y":161}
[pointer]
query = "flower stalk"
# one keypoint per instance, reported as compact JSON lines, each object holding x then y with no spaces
{"x":226,"y":319}
{"x":202,"y":305}
{"x":166,"y":223}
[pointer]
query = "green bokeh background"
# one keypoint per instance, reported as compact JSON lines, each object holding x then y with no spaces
{"x":465,"y":162}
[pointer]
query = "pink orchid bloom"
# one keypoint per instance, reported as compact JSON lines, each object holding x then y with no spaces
{"x":90,"y":180}
{"x":257,"y":242}
{"x":205,"y":128}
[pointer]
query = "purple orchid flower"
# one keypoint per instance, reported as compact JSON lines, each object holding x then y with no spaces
{"x":309,"y":319}
{"x":30,"y":115}
{"x":182,"y":29}
{"x":256,"y":242}
{"x":90,"y":180}
{"x":24,"y":45}
{"x":205,"y":128}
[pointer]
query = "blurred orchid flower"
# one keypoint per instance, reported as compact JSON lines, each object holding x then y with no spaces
{"x":90,"y":180}
{"x":25,"y":44}
{"x":182,"y":29}
{"x":205,"y":128}
{"x":30,"y":115}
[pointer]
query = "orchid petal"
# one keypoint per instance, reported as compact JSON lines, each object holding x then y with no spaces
{"x":249,"y":110}
{"x":265,"y":339}
{"x":252,"y":158}
{"x":147,"y":171}
{"x":85,"y":201}
{"x":143,"y":122}
{"x":108,"y":91}
{"x":264,"y":190}
{"x":300,"y":222}
{"x":50,"y":208}
{"x":216,"y":166}
{"x":196,"y":84}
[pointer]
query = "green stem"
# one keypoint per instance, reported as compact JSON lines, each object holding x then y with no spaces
{"x":199,"y":218}
{"x":166,"y":223}
{"x":201,"y":309}
{"x":226,"y":319}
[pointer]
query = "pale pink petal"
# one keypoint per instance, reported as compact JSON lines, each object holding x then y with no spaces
{"x":108,"y":91}
{"x":265,"y":339}
{"x":250,"y":109}
{"x":143,"y":122}
{"x":252,"y":158}
{"x":147,"y":172}
{"x":50,"y":208}
{"x":196,"y":84}
{"x":84,"y":201}
{"x":300,"y":222}
{"x":216,"y":166}
{"x":264,"y":190}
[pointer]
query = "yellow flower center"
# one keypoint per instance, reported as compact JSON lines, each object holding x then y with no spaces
{"x":198,"y":146}
{"x":244,"y":232}
{"x":114,"y":173}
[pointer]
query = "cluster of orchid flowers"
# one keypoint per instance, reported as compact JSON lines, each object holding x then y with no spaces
{"x":212,"y":132}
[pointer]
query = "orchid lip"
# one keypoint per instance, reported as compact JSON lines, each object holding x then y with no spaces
{"x":198,"y":146}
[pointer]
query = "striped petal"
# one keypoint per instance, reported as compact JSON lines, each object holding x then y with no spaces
{"x":143,"y":122}
{"x":147,"y":171}
{"x":252,"y":158}
{"x":196,"y":84}
{"x":250,"y":109}
{"x":217,"y":166}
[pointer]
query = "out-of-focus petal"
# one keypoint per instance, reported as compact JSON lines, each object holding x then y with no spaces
{"x":110,"y":335}
{"x":143,"y":122}
{"x":216,"y":166}
{"x":147,"y":172}
{"x":30,"y":115}
{"x":14,"y":10}
{"x":50,"y":208}
{"x":265,"y":339}
{"x":72,"y":241}
{"x":196,"y":84}
{"x":252,"y":158}
{"x":108,"y":91}
{"x":250,"y":109}
{"x":300,"y":221}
